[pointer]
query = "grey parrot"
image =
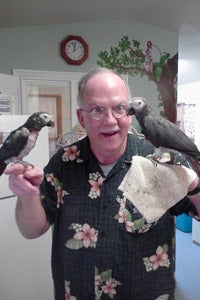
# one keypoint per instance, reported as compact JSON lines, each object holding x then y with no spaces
{"x":22,"y":140}
{"x":162,"y":133}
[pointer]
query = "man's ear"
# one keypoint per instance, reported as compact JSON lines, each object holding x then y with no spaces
{"x":79,"y":113}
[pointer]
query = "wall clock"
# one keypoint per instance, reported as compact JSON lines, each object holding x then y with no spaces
{"x":74,"y":50}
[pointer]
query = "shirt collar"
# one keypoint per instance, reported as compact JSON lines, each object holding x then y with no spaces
{"x":86,"y":152}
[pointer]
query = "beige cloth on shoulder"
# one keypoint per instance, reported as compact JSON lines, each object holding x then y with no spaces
{"x":154,"y":188}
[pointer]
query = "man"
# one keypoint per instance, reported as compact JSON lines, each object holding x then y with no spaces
{"x":103,"y":248}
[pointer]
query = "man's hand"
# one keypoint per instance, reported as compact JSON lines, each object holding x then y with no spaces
{"x":24,"y":181}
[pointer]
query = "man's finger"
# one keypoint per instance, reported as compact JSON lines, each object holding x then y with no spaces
{"x":14,"y":168}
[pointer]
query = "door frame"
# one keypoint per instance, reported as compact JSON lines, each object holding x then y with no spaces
{"x":54,"y":78}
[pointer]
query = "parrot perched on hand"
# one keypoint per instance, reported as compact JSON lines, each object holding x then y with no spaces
{"x":162,"y":133}
{"x":22,"y":140}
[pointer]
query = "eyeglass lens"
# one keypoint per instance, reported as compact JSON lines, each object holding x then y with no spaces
{"x":99,"y":112}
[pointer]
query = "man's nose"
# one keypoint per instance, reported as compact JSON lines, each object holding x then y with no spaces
{"x":109,"y":117}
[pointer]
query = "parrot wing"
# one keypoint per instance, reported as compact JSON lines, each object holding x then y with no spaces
{"x":14,"y":144}
{"x":163,"y":133}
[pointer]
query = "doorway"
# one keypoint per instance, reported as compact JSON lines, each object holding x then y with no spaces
{"x":54,"y":92}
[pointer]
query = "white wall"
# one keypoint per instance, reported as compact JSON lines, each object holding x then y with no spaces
{"x":38,"y":47}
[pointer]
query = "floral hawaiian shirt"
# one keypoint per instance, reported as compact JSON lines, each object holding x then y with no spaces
{"x":102,"y":247}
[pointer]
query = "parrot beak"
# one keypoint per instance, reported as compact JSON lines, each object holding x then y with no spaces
{"x":131,"y":110}
{"x":51,"y":123}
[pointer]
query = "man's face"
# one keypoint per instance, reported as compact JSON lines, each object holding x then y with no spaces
{"x":108,"y":135}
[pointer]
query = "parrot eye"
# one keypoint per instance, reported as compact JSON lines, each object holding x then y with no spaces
{"x":45,"y":116}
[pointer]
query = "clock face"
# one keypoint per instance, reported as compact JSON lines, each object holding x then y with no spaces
{"x":74,"y":50}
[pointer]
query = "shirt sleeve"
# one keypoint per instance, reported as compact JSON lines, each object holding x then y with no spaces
{"x":51,"y":188}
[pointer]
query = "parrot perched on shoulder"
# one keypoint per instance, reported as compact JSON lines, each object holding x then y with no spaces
{"x":22,"y":140}
{"x":162,"y":133}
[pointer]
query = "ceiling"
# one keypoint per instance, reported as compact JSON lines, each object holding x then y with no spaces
{"x":181,"y":16}
{"x":171,"y":14}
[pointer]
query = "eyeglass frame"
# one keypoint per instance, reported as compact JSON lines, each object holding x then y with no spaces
{"x":104,"y":111}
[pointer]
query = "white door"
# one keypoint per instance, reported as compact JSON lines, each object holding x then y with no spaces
{"x":47,"y":82}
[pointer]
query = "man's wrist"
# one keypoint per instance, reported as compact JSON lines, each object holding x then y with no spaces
{"x":196,"y":190}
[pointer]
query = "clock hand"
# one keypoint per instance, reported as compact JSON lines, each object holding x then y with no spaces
{"x":74,"y":46}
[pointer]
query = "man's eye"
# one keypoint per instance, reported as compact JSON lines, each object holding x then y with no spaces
{"x":97,"y":110}
{"x":119,"y":108}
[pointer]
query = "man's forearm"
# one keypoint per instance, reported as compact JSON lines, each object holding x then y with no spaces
{"x":30,"y":217}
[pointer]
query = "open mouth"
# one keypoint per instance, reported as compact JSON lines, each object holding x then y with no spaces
{"x":107,"y":134}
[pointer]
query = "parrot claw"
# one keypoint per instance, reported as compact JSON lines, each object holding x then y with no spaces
{"x":24,"y":163}
{"x":153,"y":159}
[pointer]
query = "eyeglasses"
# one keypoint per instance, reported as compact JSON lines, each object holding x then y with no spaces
{"x":100,"y":112}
